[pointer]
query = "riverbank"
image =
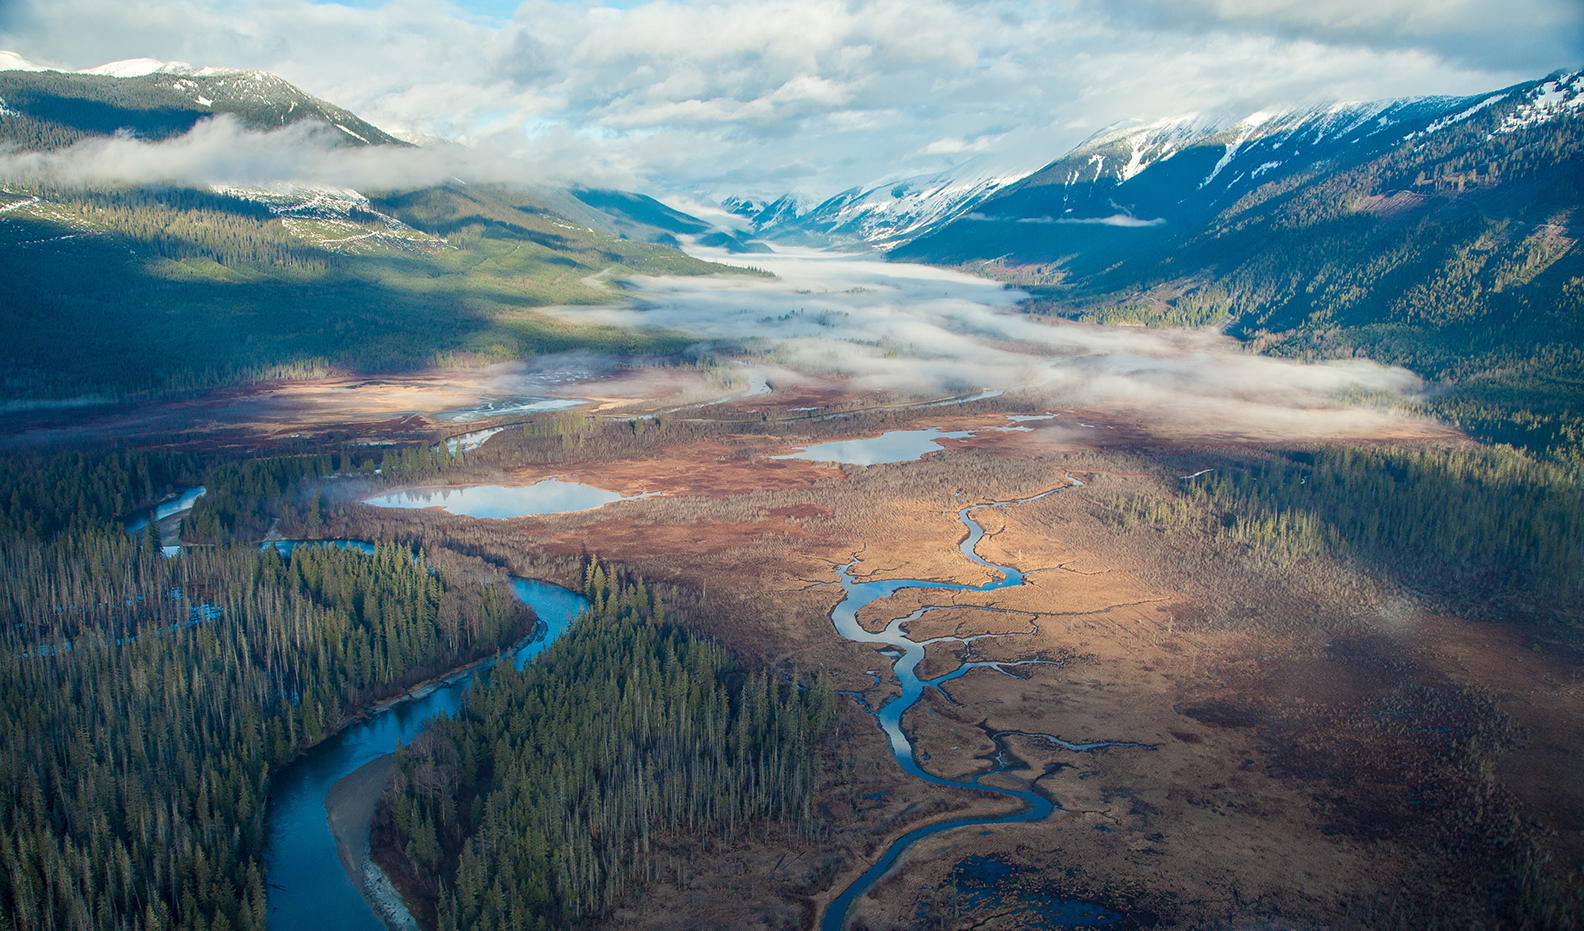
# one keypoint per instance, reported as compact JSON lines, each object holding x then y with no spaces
{"x":322,"y":803}
{"x":350,"y":808}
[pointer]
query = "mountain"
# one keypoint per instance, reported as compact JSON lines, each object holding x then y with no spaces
{"x":879,"y":215}
{"x":1140,"y":183}
{"x":153,"y":100}
{"x":774,"y":219}
{"x":121,"y":290}
{"x":1435,"y":233}
{"x":637,"y":216}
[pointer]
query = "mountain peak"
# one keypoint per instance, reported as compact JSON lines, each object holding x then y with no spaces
{"x":152,"y":99}
{"x":136,"y":67}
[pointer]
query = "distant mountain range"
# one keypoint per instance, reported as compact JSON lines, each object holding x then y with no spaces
{"x":1141,"y":183}
{"x":879,"y":215}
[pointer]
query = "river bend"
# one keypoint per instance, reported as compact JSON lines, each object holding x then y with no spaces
{"x":907,"y":654}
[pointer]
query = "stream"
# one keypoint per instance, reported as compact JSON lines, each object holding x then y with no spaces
{"x":307,"y":886}
{"x":907,"y":654}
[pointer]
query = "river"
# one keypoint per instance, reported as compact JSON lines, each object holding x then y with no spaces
{"x":907,"y":654}
{"x":307,"y":886}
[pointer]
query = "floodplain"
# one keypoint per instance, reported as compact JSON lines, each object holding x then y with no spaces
{"x":1263,"y":729}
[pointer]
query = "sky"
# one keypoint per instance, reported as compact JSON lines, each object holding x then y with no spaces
{"x":700,"y":100}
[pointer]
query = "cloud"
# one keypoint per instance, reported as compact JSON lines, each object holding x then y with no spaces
{"x":718,"y":96}
{"x":221,"y":151}
{"x":914,"y":329}
{"x":1480,"y":33}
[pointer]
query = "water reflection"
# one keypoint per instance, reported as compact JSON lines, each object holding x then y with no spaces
{"x":895,"y":446}
{"x":550,"y":496}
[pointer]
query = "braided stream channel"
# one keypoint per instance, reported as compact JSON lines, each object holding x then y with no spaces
{"x":907,"y":654}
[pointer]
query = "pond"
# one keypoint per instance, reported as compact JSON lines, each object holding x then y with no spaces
{"x":551,"y":496}
{"x":507,"y":407}
{"x":894,"y":446}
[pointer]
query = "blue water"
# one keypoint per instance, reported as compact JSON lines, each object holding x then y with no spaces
{"x":307,"y":887}
{"x":895,"y":446}
{"x":170,"y":507}
{"x":550,"y":496}
{"x":285,"y":547}
{"x":908,"y":654}
{"x":506,"y":407}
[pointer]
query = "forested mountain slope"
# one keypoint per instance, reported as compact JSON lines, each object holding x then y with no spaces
{"x":52,"y":109}
{"x":154,"y":289}
{"x":1437,"y":234}
{"x":117,"y":290}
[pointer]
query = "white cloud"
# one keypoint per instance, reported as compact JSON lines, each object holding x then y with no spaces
{"x":892,"y":326}
{"x":757,"y":95}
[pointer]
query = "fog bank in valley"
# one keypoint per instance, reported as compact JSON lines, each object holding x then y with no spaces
{"x":917,"y":330}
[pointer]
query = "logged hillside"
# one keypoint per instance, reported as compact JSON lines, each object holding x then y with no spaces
{"x":157,"y":289}
{"x":127,"y":290}
{"x":1446,"y":245}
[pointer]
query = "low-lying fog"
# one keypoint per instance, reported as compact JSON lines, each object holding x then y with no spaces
{"x":921,"y":330}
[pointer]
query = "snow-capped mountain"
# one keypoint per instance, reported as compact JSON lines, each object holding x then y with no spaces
{"x":769,"y":215}
{"x":1170,"y":177}
{"x":157,"y":99}
{"x":1150,"y":173}
{"x":880,"y":214}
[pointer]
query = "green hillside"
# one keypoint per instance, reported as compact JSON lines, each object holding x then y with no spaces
{"x":158,"y":289}
{"x":1456,"y":259}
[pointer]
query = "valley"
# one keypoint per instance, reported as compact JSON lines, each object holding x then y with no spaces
{"x":1233,"y":670}
{"x":1183,"y":534}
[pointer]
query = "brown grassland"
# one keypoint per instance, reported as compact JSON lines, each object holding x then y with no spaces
{"x":1316,"y":743}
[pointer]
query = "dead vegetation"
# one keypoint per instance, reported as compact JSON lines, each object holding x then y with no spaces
{"x":1319,"y":744}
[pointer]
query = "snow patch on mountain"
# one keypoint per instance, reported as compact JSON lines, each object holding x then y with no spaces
{"x":11,"y":61}
{"x":132,"y":68}
{"x":1133,"y":145}
{"x":336,"y":218}
{"x":1553,"y":98}
{"x":881,"y":214}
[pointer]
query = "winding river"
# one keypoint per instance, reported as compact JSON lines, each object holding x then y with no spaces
{"x":908,"y":653}
{"x":307,"y":885}
{"x":309,"y":888}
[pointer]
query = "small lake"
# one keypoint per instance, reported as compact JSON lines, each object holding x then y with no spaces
{"x":507,"y":407}
{"x":895,"y":446}
{"x":550,"y":496}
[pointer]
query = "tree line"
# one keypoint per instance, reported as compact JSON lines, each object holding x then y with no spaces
{"x":1485,"y":518}
{"x":144,"y":701}
{"x":553,"y":793}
